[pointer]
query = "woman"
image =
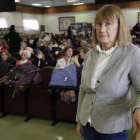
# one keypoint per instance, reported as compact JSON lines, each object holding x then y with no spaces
{"x":65,"y":42}
{"x":25,"y":56}
{"x":3,"y":45}
{"x":136,"y":30}
{"x":44,"y":58}
{"x":52,"y":43}
{"x":66,"y":60}
{"x":14,"y":40}
{"x":42,"y":43}
{"x":109,"y":70}
{"x":5,"y":62}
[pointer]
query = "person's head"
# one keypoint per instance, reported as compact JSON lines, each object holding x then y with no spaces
{"x":68,"y":51}
{"x":83,"y":44}
{"x":41,"y":43}
{"x":23,"y":45}
{"x":60,"y":40}
{"x":25,"y":55}
{"x":3,"y":42}
{"x":12,"y":28}
{"x":42,"y":50}
{"x":77,"y":38}
{"x":89,"y":35}
{"x":4,"y":55}
{"x":69,"y":28}
{"x":65,"y":41}
{"x":89,"y":43}
{"x":137,"y":25}
{"x":69,"y":44}
{"x":81,"y":38}
{"x":72,"y":27}
{"x":30,"y":36}
{"x":52,"y":42}
{"x":46,"y":34}
{"x":110,"y":26}
{"x":83,"y":52}
{"x":82,"y":29}
{"x":25,"y":39}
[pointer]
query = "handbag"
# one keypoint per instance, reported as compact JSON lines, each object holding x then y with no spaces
{"x":16,"y":75}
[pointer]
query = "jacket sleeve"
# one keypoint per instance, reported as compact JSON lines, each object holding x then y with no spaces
{"x":80,"y":101}
{"x":134,"y":75}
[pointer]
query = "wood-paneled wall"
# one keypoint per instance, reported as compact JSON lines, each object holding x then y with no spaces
{"x":71,"y":8}
{"x":28,"y":9}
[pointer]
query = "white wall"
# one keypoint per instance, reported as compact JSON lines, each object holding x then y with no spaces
{"x":51,"y":20}
{"x":16,"y":18}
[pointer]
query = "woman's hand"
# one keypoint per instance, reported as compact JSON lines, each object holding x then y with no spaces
{"x":76,"y":60}
{"x":79,"y":130}
{"x":40,"y":56}
{"x":136,"y":120}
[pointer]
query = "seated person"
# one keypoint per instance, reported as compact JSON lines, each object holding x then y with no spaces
{"x":52,"y":43}
{"x":65,"y":42}
{"x":66,"y":60}
{"x":25,"y":56}
{"x":44,"y":58}
{"x":42,"y":43}
{"x":83,"y":44}
{"x":136,"y":30}
{"x":5,"y":62}
{"x":26,"y":40}
{"x":3,"y":45}
{"x":24,"y":47}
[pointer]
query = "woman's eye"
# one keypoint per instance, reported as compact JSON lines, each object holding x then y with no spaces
{"x":99,"y":24}
{"x":108,"y":23}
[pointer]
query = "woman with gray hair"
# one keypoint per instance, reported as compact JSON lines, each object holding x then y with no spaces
{"x":110,"y":69}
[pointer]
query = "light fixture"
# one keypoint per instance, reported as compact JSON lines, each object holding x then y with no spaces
{"x":47,"y":6}
{"x":78,"y":3}
{"x":36,"y":4}
{"x":73,"y":0}
{"x":17,"y":0}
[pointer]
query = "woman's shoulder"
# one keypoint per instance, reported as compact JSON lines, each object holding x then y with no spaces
{"x":131,"y":47}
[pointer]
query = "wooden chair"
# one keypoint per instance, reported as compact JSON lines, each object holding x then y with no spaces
{"x":17,"y":56}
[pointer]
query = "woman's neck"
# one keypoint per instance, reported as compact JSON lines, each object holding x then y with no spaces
{"x":107,"y":46}
{"x":66,"y":58}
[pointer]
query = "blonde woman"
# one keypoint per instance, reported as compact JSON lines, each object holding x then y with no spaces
{"x":3,"y":45}
{"x":110,"y":69}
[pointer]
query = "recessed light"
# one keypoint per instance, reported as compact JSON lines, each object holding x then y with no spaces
{"x":36,"y":4}
{"x":47,"y":6}
{"x":17,"y":0}
{"x":78,"y":3}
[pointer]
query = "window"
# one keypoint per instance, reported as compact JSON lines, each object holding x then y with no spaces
{"x":31,"y":23}
{"x":3,"y":23}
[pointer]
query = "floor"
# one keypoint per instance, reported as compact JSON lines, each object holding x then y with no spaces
{"x":13,"y":127}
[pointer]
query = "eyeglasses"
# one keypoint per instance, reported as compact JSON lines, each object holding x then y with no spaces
{"x":108,"y":25}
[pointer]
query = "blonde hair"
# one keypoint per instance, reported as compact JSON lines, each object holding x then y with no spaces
{"x":4,"y":43}
{"x":109,"y":12}
{"x":42,"y":42}
{"x":6,"y":52}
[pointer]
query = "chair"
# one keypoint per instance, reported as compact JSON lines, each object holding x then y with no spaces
{"x":33,"y":56}
{"x":41,"y":101}
{"x":14,"y":60}
{"x":17,"y":56}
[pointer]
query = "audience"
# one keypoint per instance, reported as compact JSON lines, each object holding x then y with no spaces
{"x":44,"y":58}
{"x":24,"y":47}
{"x":65,"y":42}
{"x":66,"y":60}
{"x":25,"y":56}
{"x":5,"y":62}
{"x":47,"y":38}
{"x":42,"y":43}
{"x":3,"y":45}
{"x":52,"y":43}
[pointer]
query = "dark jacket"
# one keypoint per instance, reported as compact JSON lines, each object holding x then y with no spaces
{"x":31,"y":76}
{"x":48,"y":61}
{"x":5,"y":67}
{"x":14,"y":41}
{"x":79,"y":75}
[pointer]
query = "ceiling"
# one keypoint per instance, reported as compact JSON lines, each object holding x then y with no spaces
{"x":52,"y":2}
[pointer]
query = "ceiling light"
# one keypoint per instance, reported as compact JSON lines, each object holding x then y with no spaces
{"x":78,"y":3}
{"x":36,"y":4}
{"x":47,"y":6}
{"x":73,"y":0}
{"x":17,"y":0}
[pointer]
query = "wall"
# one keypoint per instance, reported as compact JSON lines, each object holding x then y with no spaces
{"x":17,"y":18}
{"x":52,"y":25}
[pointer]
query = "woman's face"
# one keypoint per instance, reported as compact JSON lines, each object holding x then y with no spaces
{"x":24,"y":56}
{"x":107,"y":35}
{"x":40,"y":53}
{"x":51,"y":43}
{"x":69,"y":52}
{"x":4,"y":56}
{"x":64,"y":42}
{"x":40,"y":44}
{"x":69,"y":44}
{"x":1,"y":43}
{"x":82,"y":54}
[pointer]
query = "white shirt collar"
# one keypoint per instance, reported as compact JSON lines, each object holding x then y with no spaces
{"x":108,"y":52}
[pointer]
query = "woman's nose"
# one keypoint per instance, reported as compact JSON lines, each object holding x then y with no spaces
{"x":102,"y":28}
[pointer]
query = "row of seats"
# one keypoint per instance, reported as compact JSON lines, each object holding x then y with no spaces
{"x":37,"y":100}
